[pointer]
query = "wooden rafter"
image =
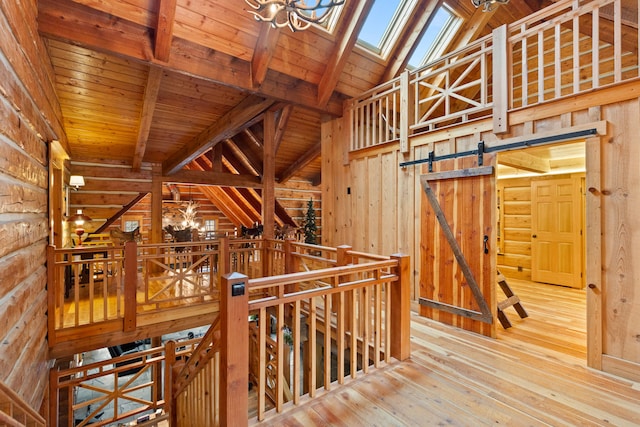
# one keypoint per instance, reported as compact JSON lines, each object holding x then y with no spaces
{"x":352,"y":22}
{"x":148,"y":107}
{"x":281,"y":124}
{"x":234,"y":161}
{"x":126,"y":38}
{"x":242,"y":150}
{"x":524,"y":161}
{"x":210,"y":178}
{"x":230,"y":124}
{"x":119,"y":214}
{"x":263,"y":52}
{"x":164,"y":29}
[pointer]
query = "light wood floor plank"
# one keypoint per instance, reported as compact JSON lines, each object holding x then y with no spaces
{"x":533,"y":374}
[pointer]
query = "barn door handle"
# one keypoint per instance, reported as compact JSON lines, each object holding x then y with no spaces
{"x":486,"y":244}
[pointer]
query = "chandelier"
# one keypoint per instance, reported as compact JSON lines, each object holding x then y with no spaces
{"x":295,"y":14}
{"x":488,"y":4}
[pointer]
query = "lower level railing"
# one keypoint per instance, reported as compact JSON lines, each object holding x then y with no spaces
{"x":282,"y":337}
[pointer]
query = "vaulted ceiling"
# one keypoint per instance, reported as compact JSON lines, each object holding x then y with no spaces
{"x":166,"y":81}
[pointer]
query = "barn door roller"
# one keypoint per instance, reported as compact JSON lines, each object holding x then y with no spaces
{"x":482,"y":148}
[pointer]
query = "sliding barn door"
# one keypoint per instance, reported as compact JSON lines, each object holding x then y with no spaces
{"x":457,"y":244}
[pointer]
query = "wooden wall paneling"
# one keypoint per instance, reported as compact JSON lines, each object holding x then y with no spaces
{"x":389,"y":204}
{"x":373,"y":210}
{"x":594,"y":252}
{"x":621,"y":201}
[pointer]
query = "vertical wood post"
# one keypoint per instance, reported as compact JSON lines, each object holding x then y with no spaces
{"x":224,"y":263}
{"x":343,"y":258}
{"x":54,"y":398}
{"x":169,"y":398}
{"x":130,"y":285}
{"x":234,"y":350}
{"x":401,"y":310}
{"x":288,"y":257}
{"x":500,"y":83}
{"x":269,"y":174}
{"x":54,"y":289}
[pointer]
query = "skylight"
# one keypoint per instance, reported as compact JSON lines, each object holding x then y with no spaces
{"x":383,"y":24}
{"x":438,"y":34}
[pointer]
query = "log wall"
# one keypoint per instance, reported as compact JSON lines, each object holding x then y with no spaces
{"x":373,"y":204}
{"x":30,"y":118}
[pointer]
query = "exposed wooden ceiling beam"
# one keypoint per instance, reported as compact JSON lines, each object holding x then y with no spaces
{"x":524,"y":161}
{"x":119,"y":214}
{"x":206,"y":178}
{"x":352,"y":22}
{"x":238,"y":150}
{"x":281,"y":124}
{"x":227,"y":204}
{"x":262,"y":53}
{"x":164,"y":29}
{"x":148,"y":107}
{"x":307,"y":158}
{"x":81,"y":25}
{"x":230,"y":124}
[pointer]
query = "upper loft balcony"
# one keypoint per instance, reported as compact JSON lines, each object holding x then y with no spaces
{"x":569,"y":49}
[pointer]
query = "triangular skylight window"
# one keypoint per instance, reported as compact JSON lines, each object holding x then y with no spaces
{"x":434,"y":40}
{"x":383,"y":24}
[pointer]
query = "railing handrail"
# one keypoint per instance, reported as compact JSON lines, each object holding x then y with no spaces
{"x":291,"y":278}
{"x":9,"y":396}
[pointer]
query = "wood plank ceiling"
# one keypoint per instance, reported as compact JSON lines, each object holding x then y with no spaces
{"x":166,"y":81}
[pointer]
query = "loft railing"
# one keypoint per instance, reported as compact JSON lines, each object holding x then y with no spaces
{"x":346,"y":313}
{"x":357,"y":311}
{"x":14,"y":411}
{"x":569,"y":48}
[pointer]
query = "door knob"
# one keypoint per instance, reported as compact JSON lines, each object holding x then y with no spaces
{"x":534,"y":236}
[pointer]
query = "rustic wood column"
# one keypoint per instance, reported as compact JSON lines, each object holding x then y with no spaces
{"x":269,"y":175}
{"x":130,"y":285}
{"x":234,"y":350}
{"x":401,"y":310}
{"x":156,"y":235}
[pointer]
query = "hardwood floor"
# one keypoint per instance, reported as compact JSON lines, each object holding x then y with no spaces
{"x":533,"y":374}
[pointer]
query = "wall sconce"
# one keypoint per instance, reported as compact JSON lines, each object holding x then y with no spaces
{"x":79,"y":219}
{"x":76,"y":181}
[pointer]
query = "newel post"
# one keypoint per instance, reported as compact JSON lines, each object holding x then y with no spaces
{"x":169,"y":378}
{"x":401,"y":309}
{"x":130,"y":285}
{"x":234,"y":350}
{"x":224,"y":263}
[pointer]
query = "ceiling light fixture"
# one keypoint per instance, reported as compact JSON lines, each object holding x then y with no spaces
{"x":295,"y":14}
{"x":488,"y":4}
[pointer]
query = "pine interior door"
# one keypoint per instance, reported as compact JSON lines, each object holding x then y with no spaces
{"x":556,"y":227}
{"x":458,"y":277}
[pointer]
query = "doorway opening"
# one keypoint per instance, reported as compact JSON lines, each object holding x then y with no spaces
{"x":541,"y":244}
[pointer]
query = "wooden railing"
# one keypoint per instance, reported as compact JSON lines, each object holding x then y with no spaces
{"x":356,"y":311}
{"x":568,"y":48}
{"x":14,"y":411}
